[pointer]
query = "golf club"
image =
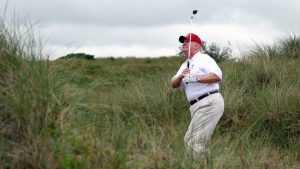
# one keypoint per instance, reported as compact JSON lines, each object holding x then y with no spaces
{"x":188,"y":59}
{"x":192,"y":17}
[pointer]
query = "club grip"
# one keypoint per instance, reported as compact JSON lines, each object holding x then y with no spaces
{"x":188,"y":66}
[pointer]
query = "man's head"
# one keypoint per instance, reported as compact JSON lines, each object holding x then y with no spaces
{"x":195,"y":44}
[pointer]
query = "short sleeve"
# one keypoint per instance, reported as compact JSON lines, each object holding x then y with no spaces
{"x":212,"y":67}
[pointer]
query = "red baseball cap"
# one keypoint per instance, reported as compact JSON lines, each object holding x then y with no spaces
{"x":194,"y":38}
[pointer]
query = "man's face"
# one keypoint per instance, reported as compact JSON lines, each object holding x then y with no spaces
{"x":194,"y":48}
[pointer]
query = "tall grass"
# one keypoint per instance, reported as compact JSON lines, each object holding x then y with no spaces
{"x":29,"y":108}
{"x":267,"y":83}
{"x":123,"y":113}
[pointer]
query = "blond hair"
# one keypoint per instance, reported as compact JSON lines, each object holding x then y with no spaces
{"x":201,"y":50}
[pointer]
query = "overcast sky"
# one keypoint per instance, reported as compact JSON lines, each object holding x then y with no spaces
{"x":151,"y":27}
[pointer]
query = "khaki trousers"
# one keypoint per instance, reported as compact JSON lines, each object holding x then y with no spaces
{"x":205,"y":115}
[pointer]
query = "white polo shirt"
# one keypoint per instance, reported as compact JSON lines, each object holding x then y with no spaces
{"x":200,"y":64}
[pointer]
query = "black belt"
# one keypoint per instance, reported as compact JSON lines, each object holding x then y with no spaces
{"x":203,"y":96}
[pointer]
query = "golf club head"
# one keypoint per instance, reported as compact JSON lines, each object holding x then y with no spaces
{"x":194,"y":13}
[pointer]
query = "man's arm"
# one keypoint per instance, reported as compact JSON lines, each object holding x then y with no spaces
{"x":209,"y":78}
{"x":176,"y":80}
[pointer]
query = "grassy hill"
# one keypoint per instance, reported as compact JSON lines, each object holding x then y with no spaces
{"x":123,"y":113}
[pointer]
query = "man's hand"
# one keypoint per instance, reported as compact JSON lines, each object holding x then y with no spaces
{"x":185,"y":72}
{"x":189,"y":78}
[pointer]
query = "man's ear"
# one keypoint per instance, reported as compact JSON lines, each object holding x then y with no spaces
{"x":198,"y":46}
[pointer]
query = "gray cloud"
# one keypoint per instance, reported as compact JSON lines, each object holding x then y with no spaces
{"x":136,"y":13}
{"x":154,"y":23}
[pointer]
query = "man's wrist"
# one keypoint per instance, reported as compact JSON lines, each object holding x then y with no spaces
{"x":198,"y":79}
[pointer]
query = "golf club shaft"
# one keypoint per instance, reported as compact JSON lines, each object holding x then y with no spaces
{"x":189,"y":54}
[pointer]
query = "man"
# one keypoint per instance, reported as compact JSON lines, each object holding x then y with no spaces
{"x":199,"y":76}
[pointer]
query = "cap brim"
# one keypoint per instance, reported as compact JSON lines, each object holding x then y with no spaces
{"x":182,"y":39}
